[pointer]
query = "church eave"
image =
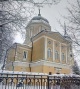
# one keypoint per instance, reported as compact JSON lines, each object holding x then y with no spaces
{"x":54,"y":35}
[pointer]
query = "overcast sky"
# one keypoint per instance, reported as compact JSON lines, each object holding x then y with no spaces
{"x":52,"y":14}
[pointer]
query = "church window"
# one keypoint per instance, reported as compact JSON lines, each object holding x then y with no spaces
{"x":25,"y":55}
{"x":49,"y":53}
{"x":63,"y":56}
{"x":56,"y":55}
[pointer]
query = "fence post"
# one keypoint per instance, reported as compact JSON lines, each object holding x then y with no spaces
{"x":48,"y":81}
{"x":49,"y":87}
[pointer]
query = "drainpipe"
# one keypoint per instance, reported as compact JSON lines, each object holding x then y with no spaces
{"x":32,"y":50}
{"x":14,"y":57}
{"x":31,"y":54}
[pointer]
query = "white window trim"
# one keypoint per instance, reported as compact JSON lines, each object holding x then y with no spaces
{"x":63,"y":56}
{"x":56,"y":55}
{"x":49,"y":53}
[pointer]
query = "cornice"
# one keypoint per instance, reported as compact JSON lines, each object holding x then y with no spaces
{"x":48,"y":63}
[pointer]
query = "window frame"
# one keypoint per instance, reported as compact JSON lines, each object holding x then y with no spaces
{"x":49,"y":53}
{"x":25,"y":55}
{"x":63,"y":56}
{"x":56,"y":55}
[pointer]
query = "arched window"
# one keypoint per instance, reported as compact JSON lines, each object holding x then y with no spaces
{"x":25,"y":55}
{"x":63,"y":56}
{"x":49,"y":53}
{"x":56,"y":55}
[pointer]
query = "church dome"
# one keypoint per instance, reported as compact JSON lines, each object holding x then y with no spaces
{"x":39,"y":17}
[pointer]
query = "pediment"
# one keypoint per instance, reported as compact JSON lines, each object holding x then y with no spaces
{"x":57,"y":36}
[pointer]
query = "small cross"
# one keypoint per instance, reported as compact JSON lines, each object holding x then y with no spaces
{"x":65,"y":33}
{"x":39,"y":12}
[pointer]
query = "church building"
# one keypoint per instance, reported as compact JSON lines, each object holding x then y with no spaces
{"x":43,"y":50}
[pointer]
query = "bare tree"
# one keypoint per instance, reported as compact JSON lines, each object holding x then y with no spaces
{"x":73,"y":25}
{"x":75,"y":68}
{"x":74,"y":21}
{"x":14,"y":15}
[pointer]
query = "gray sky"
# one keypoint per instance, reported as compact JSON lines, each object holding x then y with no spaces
{"x":52,"y":14}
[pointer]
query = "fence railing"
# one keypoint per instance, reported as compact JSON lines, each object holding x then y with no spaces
{"x":38,"y":81}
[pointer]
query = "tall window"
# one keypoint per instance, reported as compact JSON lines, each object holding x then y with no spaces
{"x":56,"y":55}
{"x":25,"y":55}
{"x":63,"y":56}
{"x":49,"y":53}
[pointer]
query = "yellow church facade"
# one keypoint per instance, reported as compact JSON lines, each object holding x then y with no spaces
{"x":43,"y":51}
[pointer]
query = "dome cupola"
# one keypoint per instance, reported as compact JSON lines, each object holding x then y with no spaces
{"x":35,"y":26}
{"x":39,"y":17}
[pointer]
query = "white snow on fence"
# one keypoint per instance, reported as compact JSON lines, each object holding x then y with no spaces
{"x":34,"y":73}
{"x":5,"y":86}
{"x":18,"y":72}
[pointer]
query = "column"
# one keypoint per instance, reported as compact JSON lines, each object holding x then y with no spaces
{"x":60,"y":53}
{"x":66,"y":54}
{"x":45,"y":48}
{"x":53,"y":51}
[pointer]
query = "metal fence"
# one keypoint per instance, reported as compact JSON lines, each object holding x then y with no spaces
{"x":37,"y":81}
